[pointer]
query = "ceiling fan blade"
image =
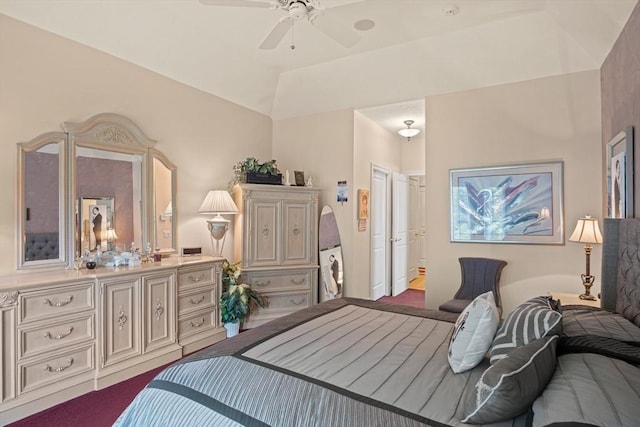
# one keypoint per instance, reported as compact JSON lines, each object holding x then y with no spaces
{"x":334,"y":29}
{"x":277,"y":33}
{"x":242,"y":3}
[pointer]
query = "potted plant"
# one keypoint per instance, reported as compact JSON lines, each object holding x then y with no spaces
{"x":252,"y":171}
{"x":237,"y":298}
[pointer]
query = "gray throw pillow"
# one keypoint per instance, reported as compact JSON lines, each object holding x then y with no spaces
{"x":509,"y":387}
{"x":531,"y":320}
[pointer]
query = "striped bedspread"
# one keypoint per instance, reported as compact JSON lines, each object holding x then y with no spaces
{"x":347,"y":363}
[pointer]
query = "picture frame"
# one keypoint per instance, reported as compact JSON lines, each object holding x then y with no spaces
{"x":620,"y":175}
{"x":520,"y":204}
{"x":88,"y":239}
{"x":363,"y":204}
{"x":299,"y":178}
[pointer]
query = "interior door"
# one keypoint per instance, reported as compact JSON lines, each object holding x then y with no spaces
{"x":399,"y":234}
{"x":413,"y":213}
{"x":379,"y":199}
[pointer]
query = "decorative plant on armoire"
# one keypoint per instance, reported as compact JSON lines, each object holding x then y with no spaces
{"x":237,"y":299}
{"x":250,"y":170}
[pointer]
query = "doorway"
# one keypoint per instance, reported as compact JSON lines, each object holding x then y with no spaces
{"x":389,"y":233}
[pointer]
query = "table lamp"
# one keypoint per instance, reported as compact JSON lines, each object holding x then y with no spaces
{"x":588,"y":232}
{"x":218,"y":203}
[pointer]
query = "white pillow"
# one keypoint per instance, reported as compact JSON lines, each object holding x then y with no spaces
{"x":473,"y":333}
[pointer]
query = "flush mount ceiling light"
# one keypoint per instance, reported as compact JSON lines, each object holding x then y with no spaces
{"x":408,"y":132}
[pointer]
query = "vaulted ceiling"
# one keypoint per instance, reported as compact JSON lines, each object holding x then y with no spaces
{"x":416,"y":47}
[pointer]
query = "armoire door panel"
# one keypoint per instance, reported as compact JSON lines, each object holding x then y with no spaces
{"x":295,"y":237}
{"x":265,"y":233}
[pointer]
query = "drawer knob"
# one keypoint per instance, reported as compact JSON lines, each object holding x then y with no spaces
{"x":296,"y":230}
{"x":263,"y":284}
{"x":122,"y":318}
{"x":197,"y":325}
{"x":196,"y":279}
{"x":159,"y":310}
{"x":196,"y":302}
{"x":58,"y":336}
{"x":298,"y":302}
{"x":265,"y":231}
{"x":59,"y":368}
{"x":48,"y":302}
{"x":297,"y":282}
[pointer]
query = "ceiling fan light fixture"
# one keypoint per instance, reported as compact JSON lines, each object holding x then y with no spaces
{"x":408,"y":132}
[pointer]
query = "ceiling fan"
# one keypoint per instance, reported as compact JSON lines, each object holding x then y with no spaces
{"x":296,"y":10}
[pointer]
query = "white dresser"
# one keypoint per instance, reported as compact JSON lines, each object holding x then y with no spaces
{"x":67,"y":333}
{"x":276,"y":237}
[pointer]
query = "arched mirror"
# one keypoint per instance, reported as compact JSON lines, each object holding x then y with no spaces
{"x":42,"y":212}
{"x":100,"y":186}
{"x":164,"y":184}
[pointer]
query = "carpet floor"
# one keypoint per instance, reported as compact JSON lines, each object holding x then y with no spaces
{"x":102,"y":408}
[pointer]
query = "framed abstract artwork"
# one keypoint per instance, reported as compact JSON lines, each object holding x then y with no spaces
{"x":508,"y":204}
{"x":620,"y":175}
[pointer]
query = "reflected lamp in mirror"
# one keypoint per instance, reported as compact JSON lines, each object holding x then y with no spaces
{"x":110,"y":236}
{"x":588,"y":232}
{"x":167,"y":213}
{"x":218,"y":203}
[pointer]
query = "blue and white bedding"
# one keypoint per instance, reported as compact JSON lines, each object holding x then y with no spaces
{"x":352,"y":362}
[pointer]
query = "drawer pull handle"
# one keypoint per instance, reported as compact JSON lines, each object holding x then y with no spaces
{"x":197,"y":325}
{"x":48,"y":302}
{"x":298,"y":302}
{"x":194,"y":302}
{"x":297,"y":282}
{"x":196,"y":279}
{"x":296,"y":230}
{"x":265,"y":231}
{"x":159,"y":310}
{"x":263,"y":284}
{"x":59,"y":368}
{"x":59,"y":336}
{"x":122,"y":318}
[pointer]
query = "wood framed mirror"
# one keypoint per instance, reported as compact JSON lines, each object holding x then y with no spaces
{"x":106,"y":158}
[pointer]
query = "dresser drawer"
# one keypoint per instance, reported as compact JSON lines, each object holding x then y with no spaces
{"x":196,"y":300}
{"x":54,"y":335}
{"x":47,"y":370}
{"x":282,"y":280}
{"x":51,"y":303}
{"x":196,"y":276}
{"x":197,"y":323}
{"x":290,"y":301}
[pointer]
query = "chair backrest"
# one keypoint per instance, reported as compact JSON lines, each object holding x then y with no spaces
{"x":480,"y":275}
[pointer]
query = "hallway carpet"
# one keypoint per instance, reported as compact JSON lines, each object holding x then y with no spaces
{"x":101,"y":408}
{"x":410,"y":297}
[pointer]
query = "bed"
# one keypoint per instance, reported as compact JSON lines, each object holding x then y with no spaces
{"x":352,"y":362}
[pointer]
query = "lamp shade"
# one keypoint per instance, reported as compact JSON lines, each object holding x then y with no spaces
{"x":408,"y":132}
{"x":587,"y":231}
{"x":218,"y":202}
{"x":110,"y":235}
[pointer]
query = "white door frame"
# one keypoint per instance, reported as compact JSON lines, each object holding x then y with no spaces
{"x":378,"y":204}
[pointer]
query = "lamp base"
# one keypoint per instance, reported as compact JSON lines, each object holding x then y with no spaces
{"x":587,"y":282}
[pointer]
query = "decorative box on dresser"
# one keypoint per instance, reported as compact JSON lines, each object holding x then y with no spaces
{"x":276,"y":238}
{"x":67,"y":333}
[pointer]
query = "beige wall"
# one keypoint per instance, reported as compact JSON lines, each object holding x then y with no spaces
{"x":620,"y":76}
{"x":46,"y":80}
{"x":413,"y":154}
{"x":321,"y":145}
{"x":556,"y":118}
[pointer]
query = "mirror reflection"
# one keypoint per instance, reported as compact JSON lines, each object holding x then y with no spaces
{"x":109,"y":194}
{"x":163,"y":186}
{"x":42,"y":203}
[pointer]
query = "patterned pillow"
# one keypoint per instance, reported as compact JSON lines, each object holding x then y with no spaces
{"x":473,"y":333}
{"x":531,"y":320}
{"x":509,"y":387}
